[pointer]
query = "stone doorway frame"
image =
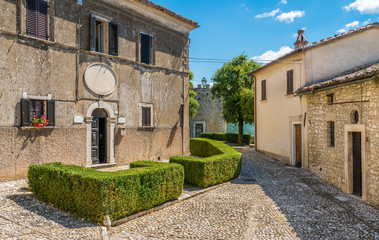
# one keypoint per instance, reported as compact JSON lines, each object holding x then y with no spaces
{"x":194,"y":127}
{"x":110,"y":128}
{"x":349,"y":129}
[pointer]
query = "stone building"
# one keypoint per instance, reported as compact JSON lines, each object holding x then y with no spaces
{"x":112,"y":77}
{"x":208,"y":117}
{"x":343,"y":131}
{"x":302,"y":129}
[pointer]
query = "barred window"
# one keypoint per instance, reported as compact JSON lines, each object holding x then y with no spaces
{"x":331,"y":133}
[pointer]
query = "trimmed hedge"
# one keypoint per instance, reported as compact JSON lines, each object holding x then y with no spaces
{"x":229,"y":137}
{"x":220,"y":163}
{"x":93,"y":194}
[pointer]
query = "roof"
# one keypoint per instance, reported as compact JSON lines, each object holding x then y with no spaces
{"x":320,"y":43}
{"x":352,"y":75}
{"x":169,"y":12}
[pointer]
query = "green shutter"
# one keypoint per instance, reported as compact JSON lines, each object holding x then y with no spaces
{"x":25,"y":112}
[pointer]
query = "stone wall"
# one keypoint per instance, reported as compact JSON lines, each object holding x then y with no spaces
{"x":209,"y":112}
{"x":327,"y":162}
{"x":56,"y":66}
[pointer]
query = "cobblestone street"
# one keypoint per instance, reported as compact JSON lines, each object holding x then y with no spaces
{"x":270,"y":200}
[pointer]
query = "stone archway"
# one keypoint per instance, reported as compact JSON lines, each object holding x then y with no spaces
{"x":110,"y":126}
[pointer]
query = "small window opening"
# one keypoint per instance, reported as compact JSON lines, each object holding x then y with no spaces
{"x":330,"y":98}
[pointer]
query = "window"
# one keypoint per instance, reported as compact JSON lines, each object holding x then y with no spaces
{"x":331,"y":133}
{"x":146,"y":111}
{"x":37,"y":108}
{"x":263,"y":94}
{"x":36,"y":18}
{"x":146,"y":48}
{"x":330,"y":98}
{"x":102,"y":32}
{"x":290,"y":82}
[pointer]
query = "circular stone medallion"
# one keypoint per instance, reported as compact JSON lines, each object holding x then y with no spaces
{"x":100,"y":79}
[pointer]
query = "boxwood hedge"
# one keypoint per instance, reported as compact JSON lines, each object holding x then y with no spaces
{"x":220,"y":163}
{"x":93,"y":194}
{"x":229,"y":137}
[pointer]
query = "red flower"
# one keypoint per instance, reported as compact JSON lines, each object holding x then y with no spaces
{"x":47,"y":123}
{"x":40,"y":125}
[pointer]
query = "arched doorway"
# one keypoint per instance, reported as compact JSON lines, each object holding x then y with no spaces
{"x":100,"y":121}
{"x":99,"y":136}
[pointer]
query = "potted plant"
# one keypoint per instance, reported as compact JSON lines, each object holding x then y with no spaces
{"x":40,"y":122}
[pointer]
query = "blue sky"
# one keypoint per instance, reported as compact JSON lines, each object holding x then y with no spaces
{"x":263,"y":29}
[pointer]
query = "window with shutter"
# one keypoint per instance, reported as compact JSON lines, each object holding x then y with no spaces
{"x":51,"y":112}
{"x":146,"y":46}
{"x":25,"y":112}
{"x":113,"y":39}
{"x":92,"y":32}
{"x":31,"y":108}
{"x":290,"y":82}
{"x":146,"y":116}
{"x":263,"y":90}
{"x":37,"y":18}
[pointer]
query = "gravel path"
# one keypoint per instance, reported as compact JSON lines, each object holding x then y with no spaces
{"x":270,"y":200}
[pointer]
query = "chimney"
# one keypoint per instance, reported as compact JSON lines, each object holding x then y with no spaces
{"x":301,"y":41}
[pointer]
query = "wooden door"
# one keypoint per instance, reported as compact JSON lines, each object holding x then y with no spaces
{"x":357,"y":164}
{"x":95,"y":140}
{"x":98,"y":141}
{"x":298,"y":144}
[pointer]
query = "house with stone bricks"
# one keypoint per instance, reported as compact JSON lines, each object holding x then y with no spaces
{"x":208,"y":117}
{"x":112,"y":78}
{"x":330,"y":124}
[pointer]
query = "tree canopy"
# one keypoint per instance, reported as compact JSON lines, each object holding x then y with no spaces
{"x":193,"y":104}
{"x":234,"y":86}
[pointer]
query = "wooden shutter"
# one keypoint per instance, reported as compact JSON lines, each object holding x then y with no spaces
{"x":146,"y":116}
{"x":331,"y":128}
{"x":146,"y":42}
{"x":25,"y":112}
{"x":92,"y":33}
{"x":31,"y":17}
{"x":113,"y":39}
{"x":42,"y":19}
{"x":290,"y":82}
{"x":51,"y":112}
{"x":263,"y":86}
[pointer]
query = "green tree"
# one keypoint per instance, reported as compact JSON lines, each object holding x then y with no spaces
{"x":193,"y":104}
{"x":234,"y":86}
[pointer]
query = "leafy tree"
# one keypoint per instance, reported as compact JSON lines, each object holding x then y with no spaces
{"x":234,"y":86}
{"x":193,"y":104}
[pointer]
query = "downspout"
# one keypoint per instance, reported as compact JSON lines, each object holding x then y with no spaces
{"x":182,"y":117}
{"x":255,"y":113}
{"x":77,"y":54}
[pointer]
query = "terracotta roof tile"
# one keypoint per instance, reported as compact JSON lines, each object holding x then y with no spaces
{"x":322,"y":42}
{"x":355,"y":74}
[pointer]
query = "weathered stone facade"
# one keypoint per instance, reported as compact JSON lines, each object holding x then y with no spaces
{"x":209,"y":112}
{"x":333,"y":164}
{"x":55,"y":68}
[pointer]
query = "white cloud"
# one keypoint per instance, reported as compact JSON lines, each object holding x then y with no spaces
{"x":295,"y":35}
{"x":304,"y":28}
{"x":348,"y":26}
{"x":283,"y":2}
{"x":243,"y":5}
{"x":366,"y":22}
{"x":271,"y":55}
{"x":290,"y":16}
{"x":267,"y":14}
{"x":364,"y":6}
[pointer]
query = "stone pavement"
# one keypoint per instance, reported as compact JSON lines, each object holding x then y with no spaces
{"x":270,"y":200}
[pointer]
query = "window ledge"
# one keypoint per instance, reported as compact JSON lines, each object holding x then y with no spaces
{"x":37,"y":128}
{"x":289,"y":94}
{"x":146,"y":127}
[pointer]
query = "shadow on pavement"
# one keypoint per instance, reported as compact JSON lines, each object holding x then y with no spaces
{"x":49,"y":213}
